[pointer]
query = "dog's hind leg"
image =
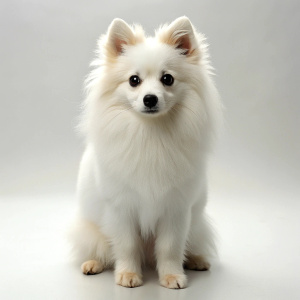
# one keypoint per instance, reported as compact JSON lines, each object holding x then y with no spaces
{"x":90,"y":247}
{"x":200,"y":245}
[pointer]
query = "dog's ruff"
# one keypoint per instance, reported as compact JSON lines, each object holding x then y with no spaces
{"x":142,"y":178}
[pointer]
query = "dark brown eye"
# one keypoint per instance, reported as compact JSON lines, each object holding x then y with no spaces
{"x":167,"y":79}
{"x":134,"y":80}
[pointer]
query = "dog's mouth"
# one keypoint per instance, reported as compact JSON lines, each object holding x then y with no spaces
{"x":151,"y":111}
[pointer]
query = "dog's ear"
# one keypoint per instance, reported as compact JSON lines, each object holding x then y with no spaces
{"x":119,"y":34}
{"x":181,"y":35}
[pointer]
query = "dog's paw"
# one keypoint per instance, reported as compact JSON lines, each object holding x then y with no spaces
{"x":91,"y":267}
{"x":174,"y":281}
{"x":129,"y":279}
{"x":197,"y":262}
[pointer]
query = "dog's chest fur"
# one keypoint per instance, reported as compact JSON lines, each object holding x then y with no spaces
{"x":149,"y":157}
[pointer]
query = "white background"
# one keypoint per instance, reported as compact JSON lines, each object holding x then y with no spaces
{"x":46,"y":47}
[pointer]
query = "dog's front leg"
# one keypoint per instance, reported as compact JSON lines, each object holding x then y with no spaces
{"x":126,"y":245}
{"x":170,"y":246}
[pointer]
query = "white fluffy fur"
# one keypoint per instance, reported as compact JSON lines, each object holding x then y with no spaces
{"x":142,"y":178}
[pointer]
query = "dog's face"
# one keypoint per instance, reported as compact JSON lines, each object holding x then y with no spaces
{"x":151,"y":82}
{"x":151,"y":74}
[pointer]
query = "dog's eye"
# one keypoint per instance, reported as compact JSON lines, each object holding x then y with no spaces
{"x":134,"y":80}
{"x":167,"y":79}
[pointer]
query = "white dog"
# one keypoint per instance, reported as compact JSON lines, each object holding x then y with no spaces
{"x":149,"y":120}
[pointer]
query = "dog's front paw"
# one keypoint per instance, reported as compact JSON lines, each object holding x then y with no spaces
{"x":129,"y":279}
{"x":174,"y":281}
{"x":91,"y":267}
{"x":196,"y":262}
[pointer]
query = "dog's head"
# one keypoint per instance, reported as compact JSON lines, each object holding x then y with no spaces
{"x":150,"y":75}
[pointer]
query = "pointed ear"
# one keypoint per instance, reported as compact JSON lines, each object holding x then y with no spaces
{"x":181,"y":35}
{"x":119,"y":34}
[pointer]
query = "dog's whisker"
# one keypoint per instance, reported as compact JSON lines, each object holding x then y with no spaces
{"x":121,"y":111}
{"x":184,"y":106}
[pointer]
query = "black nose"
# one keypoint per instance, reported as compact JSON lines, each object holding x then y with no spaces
{"x":150,"y":100}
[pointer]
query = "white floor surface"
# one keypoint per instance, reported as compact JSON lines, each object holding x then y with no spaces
{"x":258,"y":244}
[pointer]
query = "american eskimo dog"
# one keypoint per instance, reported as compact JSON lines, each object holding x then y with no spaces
{"x":149,"y":119}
